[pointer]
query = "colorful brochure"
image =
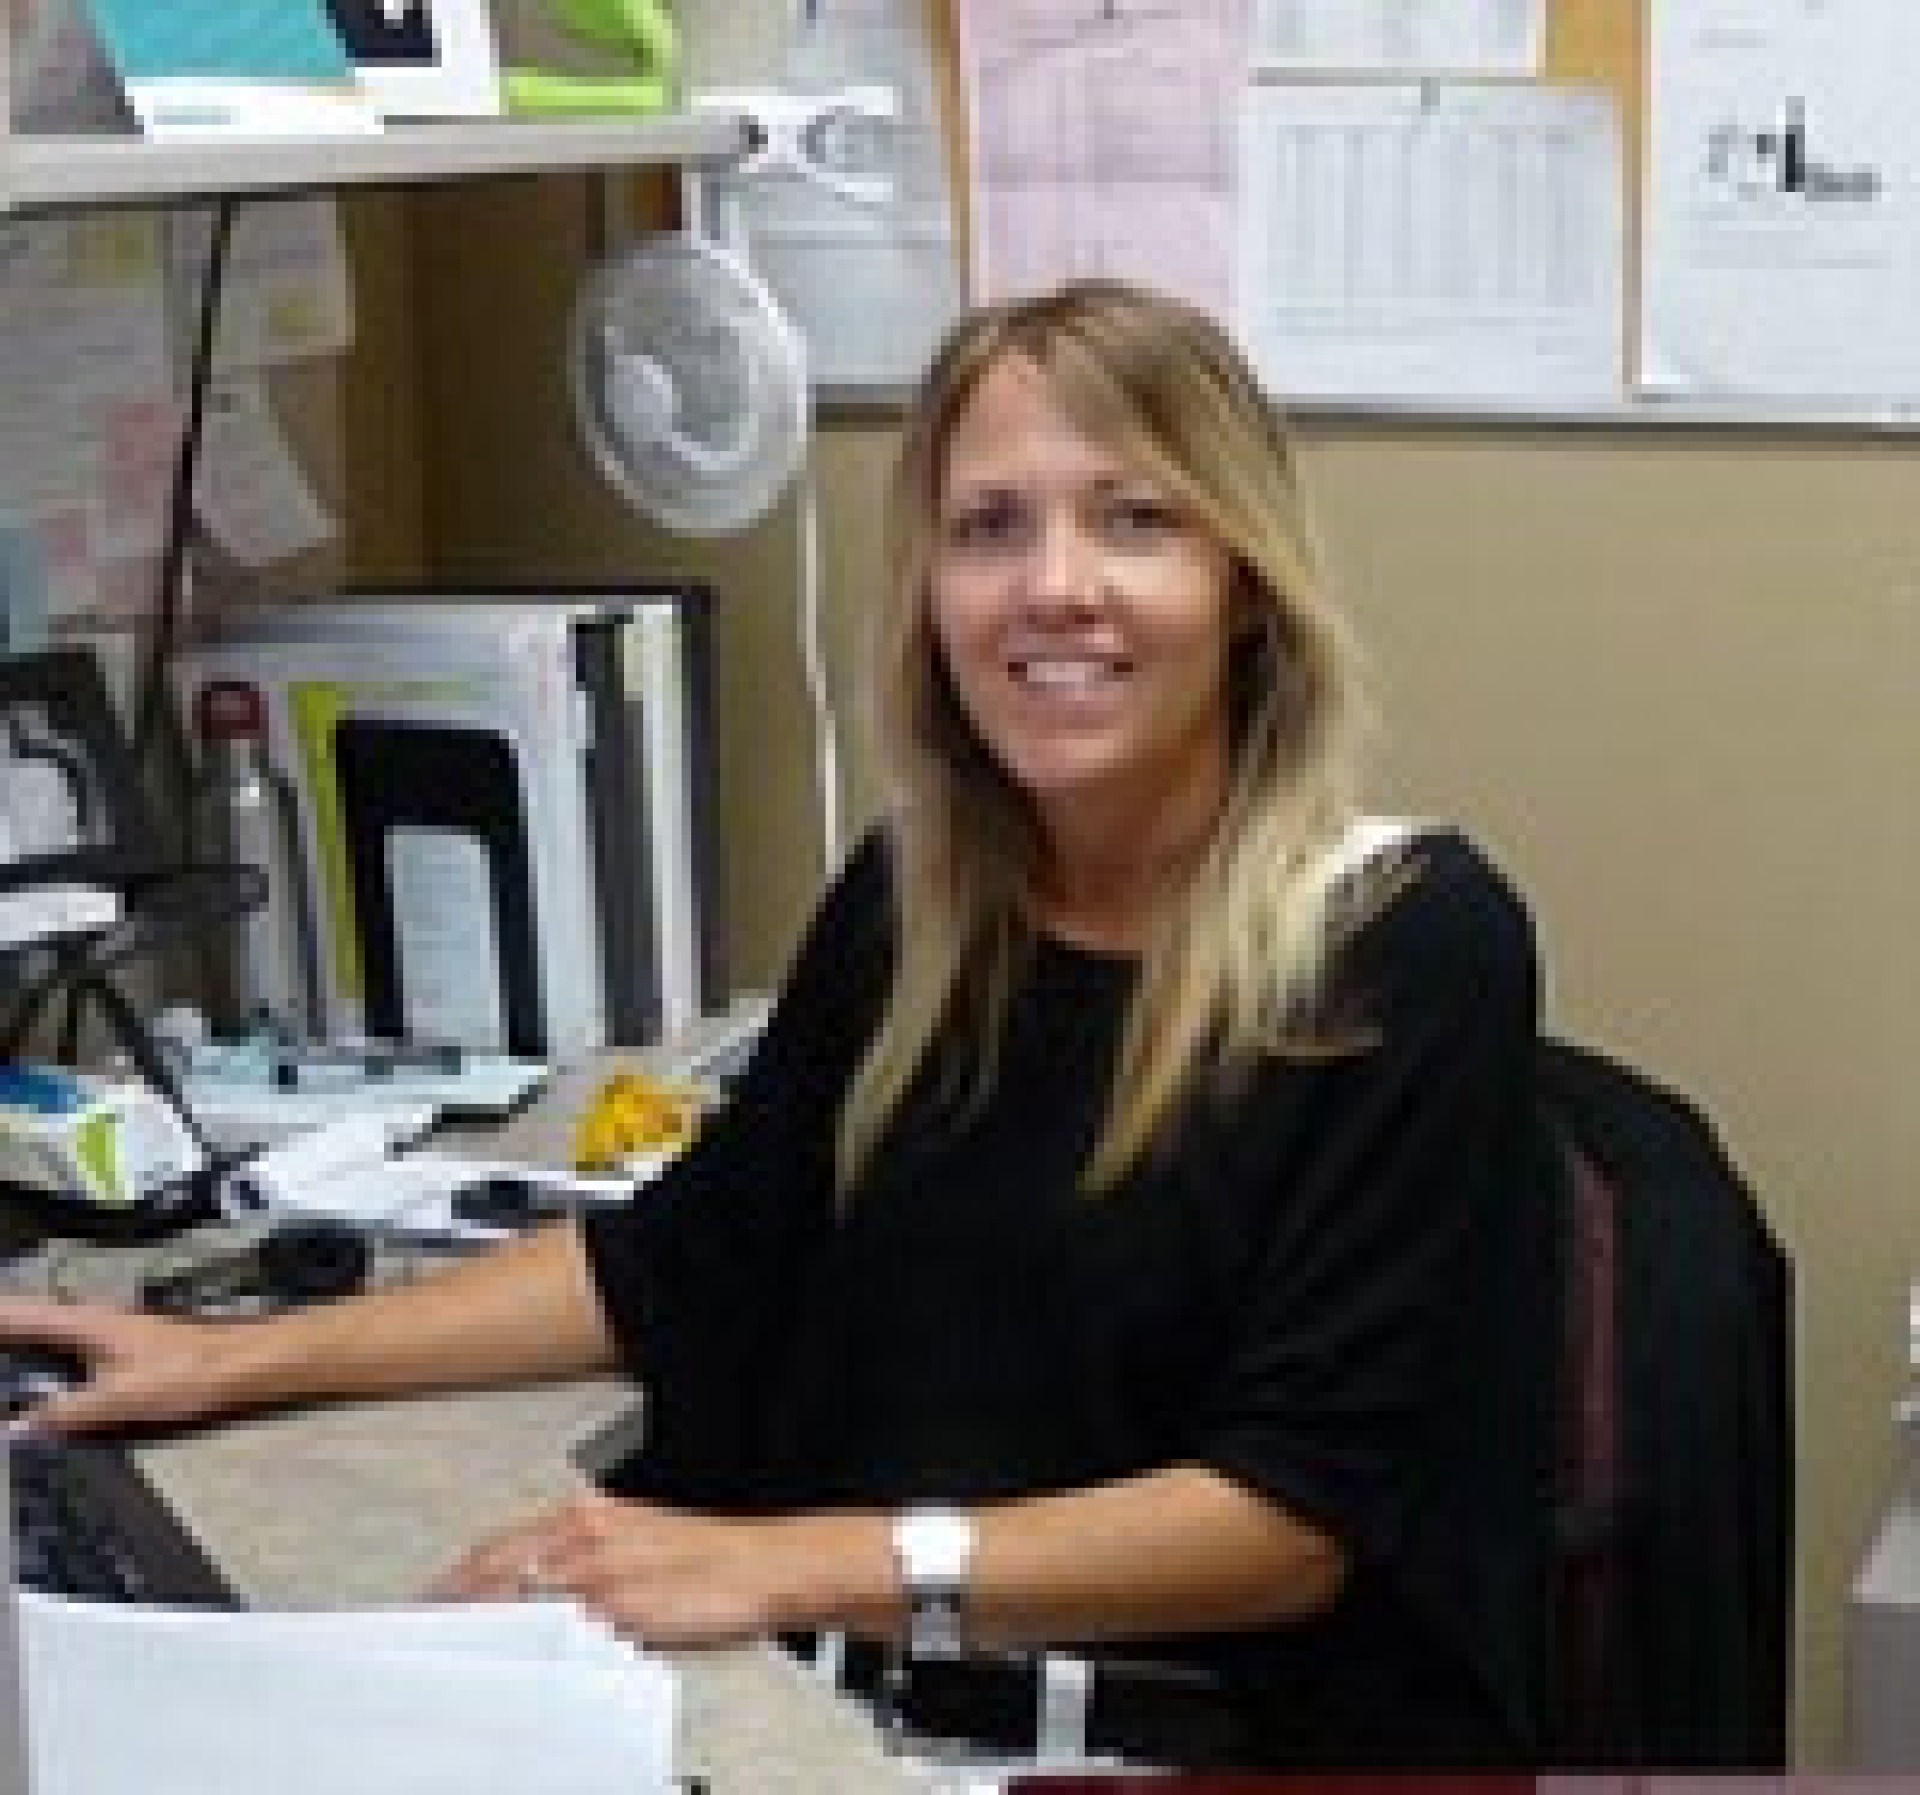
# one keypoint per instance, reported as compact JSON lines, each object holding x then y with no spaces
{"x":211,"y":69}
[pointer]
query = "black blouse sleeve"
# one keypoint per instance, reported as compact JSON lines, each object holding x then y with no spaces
{"x":695,"y":1274}
{"x":1367,"y":1386}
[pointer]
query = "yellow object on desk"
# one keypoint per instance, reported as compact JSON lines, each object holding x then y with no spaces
{"x":631,"y":1114}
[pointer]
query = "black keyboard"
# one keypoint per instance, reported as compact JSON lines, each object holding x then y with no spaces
{"x":86,"y":1522}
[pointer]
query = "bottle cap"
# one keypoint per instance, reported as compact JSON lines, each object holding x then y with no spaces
{"x":230,"y":710}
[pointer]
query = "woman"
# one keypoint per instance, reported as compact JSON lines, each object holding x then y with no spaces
{"x":1127,"y":1237}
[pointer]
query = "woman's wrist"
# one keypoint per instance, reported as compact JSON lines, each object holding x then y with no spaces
{"x":259,"y":1363}
{"x":833,"y":1570}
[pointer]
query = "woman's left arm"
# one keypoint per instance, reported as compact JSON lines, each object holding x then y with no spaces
{"x":1170,"y":1551}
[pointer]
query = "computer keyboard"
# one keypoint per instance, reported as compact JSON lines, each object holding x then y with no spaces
{"x":86,"y":1522}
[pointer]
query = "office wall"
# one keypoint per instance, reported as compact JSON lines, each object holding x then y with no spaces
{"x":1666,"y":677}
{"x":1670,"y":681}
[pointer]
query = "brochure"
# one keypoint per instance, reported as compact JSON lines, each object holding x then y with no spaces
{"x":200,"y":69}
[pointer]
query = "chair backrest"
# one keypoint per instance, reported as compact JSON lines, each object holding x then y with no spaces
{"x":1674,"y":1511}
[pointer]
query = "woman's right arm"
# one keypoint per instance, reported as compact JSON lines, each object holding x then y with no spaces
{"x":524,"y":1310}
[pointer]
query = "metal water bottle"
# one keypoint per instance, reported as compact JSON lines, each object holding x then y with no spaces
{"x":244,"y":811}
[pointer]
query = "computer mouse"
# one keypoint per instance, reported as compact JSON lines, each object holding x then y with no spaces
{"x":28,"y":1373}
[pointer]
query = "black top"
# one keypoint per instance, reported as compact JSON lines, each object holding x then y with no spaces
{"x":1333,"y":1287}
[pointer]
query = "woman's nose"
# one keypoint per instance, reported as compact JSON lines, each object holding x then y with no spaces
{"x":1065,"y":568}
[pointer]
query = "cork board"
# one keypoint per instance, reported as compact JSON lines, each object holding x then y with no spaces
{"x":1591,"y":42}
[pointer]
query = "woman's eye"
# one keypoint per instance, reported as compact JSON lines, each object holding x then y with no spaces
{"x":983,"y":526}
{"x":1142,"y":517}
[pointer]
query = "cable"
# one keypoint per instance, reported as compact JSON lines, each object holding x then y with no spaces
{"x":151,"y":706}
{"x":813,"y":659}
{"x":179,"y":902}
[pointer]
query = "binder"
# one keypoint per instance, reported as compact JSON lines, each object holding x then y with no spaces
{"x":545,"y":751}
{"x":443,"y":889}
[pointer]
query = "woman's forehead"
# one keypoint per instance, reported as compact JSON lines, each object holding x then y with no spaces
{"x":1017,"y":416}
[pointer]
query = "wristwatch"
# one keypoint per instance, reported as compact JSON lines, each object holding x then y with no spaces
{"x":933,"y":1546}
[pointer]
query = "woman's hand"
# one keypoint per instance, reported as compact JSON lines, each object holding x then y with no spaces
{"x":141,"y":1370}
{"x":665,"y":1577}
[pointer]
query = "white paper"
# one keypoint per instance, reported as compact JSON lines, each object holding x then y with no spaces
{"x":304,"y":1171}
{"x":1781,"y":250}
{"x":451,"y":969}
{"x":249,"y":491}
{"x":381,"y":1702}
{"x":1101,"y":142}
{"x":1402,"y":37}
{"x":541,"y":1630}
{"x":348,"y":1170}
{"x":1432,"y":242}
{"x":189,"y":109}
{"x":88,"y":419}
{"x":286,"y":295}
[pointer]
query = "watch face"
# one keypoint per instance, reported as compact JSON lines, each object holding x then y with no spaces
{"x":935,"y":1546}
{"x":935,"y":1550}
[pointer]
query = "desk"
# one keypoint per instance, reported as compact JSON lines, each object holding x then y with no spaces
{"x":362,"y":1502}
{"x":354,"y":1503}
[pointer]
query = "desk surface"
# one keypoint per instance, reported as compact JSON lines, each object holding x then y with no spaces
{"x":363,"y":1502}
{"x":358,"y":1503}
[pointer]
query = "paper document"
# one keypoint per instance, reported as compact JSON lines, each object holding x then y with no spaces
{"x":1781,"y":253}
{"x":1416,"y":241}
{"x":1100,"y":142}
{"x":287,"y":295}
{"x":349,"y":1169}
{"x":530,"y":1697}
{"x":1401,"y":37}
{"x":249,"y":491}
{"x":88,"y":417}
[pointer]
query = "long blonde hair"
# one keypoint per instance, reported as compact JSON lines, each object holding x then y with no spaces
{"x":1238,"y":952}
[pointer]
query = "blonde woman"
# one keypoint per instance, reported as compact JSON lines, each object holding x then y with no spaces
{"x":1113,"y":1310}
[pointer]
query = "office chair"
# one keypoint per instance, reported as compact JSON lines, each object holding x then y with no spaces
{"x":1674,"y":1511}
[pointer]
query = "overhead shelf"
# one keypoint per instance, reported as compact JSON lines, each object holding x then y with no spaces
{"x":66,"y":173}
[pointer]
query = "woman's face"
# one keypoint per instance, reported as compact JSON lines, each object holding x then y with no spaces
{"x":1083,"y":618}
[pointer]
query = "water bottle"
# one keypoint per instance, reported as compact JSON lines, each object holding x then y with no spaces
{"x":244,"y":811}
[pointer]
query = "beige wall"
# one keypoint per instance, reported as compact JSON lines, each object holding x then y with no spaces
{"x":1670,"y":680}
{"x":1666,"y":677}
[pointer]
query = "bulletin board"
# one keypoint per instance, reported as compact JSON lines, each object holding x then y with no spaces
{"x":1609,"y":46}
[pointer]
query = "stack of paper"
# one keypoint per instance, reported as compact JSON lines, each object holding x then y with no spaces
{"x":529,"y":1697}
